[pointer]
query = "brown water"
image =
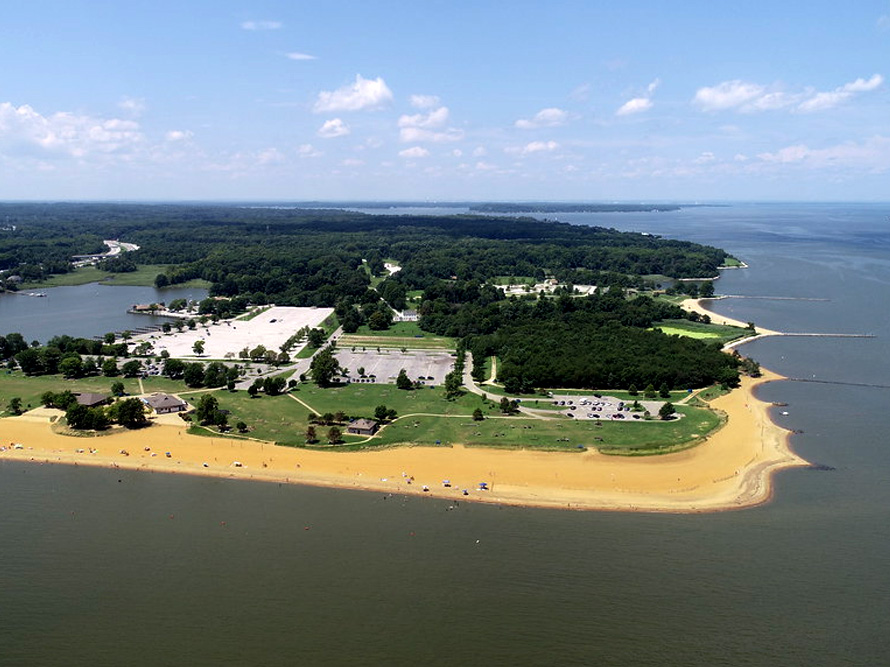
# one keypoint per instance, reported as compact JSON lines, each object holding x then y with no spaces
{"x":103,"y":567}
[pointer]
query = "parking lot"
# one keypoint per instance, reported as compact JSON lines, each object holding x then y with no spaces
{"x":604,"y":407}
{"x":428,"y":366}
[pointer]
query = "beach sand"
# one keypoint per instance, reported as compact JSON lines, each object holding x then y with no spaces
{"x":733,"y":468}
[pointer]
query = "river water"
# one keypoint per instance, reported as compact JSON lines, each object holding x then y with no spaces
{"x":85,"y":310}
{"x":104,"y":567}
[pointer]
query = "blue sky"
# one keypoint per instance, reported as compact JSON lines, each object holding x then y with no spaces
{"x":436,"y":100}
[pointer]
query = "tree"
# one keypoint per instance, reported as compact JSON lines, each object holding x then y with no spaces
{"x":334,"y":435}
{"x":109,"y":367}
{"x":198,"y":347}
{"x":316,"y":337}
{"x":161,"y":281}
{"x":508,"y":407}
{"x":117,"y":388}
{"x":666,"y":411}
{"x":130,"y":413}
{"x":402,"y":381}
{"x":664,"y":391}
{"x":194,"y":375}
{"x":241,"y":426}
{"x":132,"y":368}
{"x":649,"y":392}
{"x":71,"y":366}
{"x":15,"y":405}
{"x":324,"y":367}
{"x":206,"y":409}
{"x":311,"y":435}
{"x":477,"y":415}
{"x":633,"y":391}
{"x":380,"y":413}
{"x":273,"y":386}
{"x":452,"y":385}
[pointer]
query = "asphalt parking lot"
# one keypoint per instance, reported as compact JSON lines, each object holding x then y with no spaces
{"x":428,"y":366}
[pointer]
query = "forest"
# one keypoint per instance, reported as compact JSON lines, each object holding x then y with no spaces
{"x":313,"y":257}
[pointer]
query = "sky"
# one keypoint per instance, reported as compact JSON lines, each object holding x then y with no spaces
{"x":445,"y":100}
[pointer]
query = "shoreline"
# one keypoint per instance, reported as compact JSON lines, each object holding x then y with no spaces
{"x":732,"y":469}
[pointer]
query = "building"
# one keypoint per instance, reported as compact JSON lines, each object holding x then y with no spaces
{"x":165,"y":403}
{"x":90,"y":399}
{"x":362,"y":427}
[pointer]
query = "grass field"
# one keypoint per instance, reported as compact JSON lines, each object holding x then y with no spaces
{"x":720,"y":332}
{"x":144,"y":276}
{"x":30,"y":389}
{"x":399,"y":335}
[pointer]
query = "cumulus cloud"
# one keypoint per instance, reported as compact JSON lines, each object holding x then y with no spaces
{"x":751,"y":97}
{"x":295,"y":55}
{"x":24,"y":130}
{"x":414,"y":152}
{"x":550,"y":117}
{"x":352,"y":162}
{"x":639,"y":104}
{"x":424,"y":101}
{"x":333,"y":128}
{"x":178,"y":135}
{"x":635,"y":105}
{"x":262,"y":25}
{"x":727,"y":95}
{"x":428,"y":127}
{"x":826,"y":100}
{"x":132,"y":105}
{"x":363,"y":94}
{"x":533,"y":147}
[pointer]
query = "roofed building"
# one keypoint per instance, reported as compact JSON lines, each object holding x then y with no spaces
{"x":362,"y":427}
{"x":165,"y":403}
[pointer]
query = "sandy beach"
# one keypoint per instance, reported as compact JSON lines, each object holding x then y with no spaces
{"x":733,"y":468}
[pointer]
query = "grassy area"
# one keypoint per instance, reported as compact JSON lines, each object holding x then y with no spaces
{"x":399,"y":335}
{"x":701,"y":330}
{"x":544,"y":402}
{"x":144,"y":276}
{"x":30,"y":389}
{"x":426,"y":418}
{"x":729,"y":260}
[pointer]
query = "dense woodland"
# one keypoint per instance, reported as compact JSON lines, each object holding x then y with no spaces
{"x":312,"y":257}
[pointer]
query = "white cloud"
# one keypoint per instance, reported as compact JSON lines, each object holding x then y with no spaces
{"x":581,"y":93}
{"x":884,"y":22}
{"x":650,"y":89}
{"x":424,"y":101}
{"x":333,"y":128}
{"x":295,"y":55}
{"x":352,"y":162}
{"x":178,"y":135}
{"x":827,"y":100}
{"x":636,"y":105}
{"x":872,"y":155}
{"x":479,"y":151}
{"x":414,"y":152}
{"x":751,"y":97}
{"x":436,"y":118}
{"x":457,"y":152}
{"x":363,"y":94}
{"x":425,"y":127}
{"x":727,"y":95}
{"x":262,"y":25}
{"x":308,"y":150}
{"x":485,"y":166}
{"x":132,"y":105}
{"x":270,"y":156}
{"x":23,"y":130}
{"x":705,"y":158}
{"x":549,"y":117}
{"x":533,"y":147}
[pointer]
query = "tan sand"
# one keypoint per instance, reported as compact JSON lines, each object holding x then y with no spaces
{"x":695,"y":306}
{"x":732,"y":469}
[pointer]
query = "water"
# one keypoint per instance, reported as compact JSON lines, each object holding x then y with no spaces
{"x":85,"y":310}
{"x":106,"y":567}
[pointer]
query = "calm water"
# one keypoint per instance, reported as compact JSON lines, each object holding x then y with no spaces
{"x":108,"y":568}
{"x":86,"y":310}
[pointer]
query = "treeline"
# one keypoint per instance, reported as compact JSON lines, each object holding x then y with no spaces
{"x":312,"y":257}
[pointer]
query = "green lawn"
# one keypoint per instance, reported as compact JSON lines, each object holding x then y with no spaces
{"x":426,"y":418}
{"x":701,"y":330}
{"x":399,"y":335}
{"x":144,"y":276}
